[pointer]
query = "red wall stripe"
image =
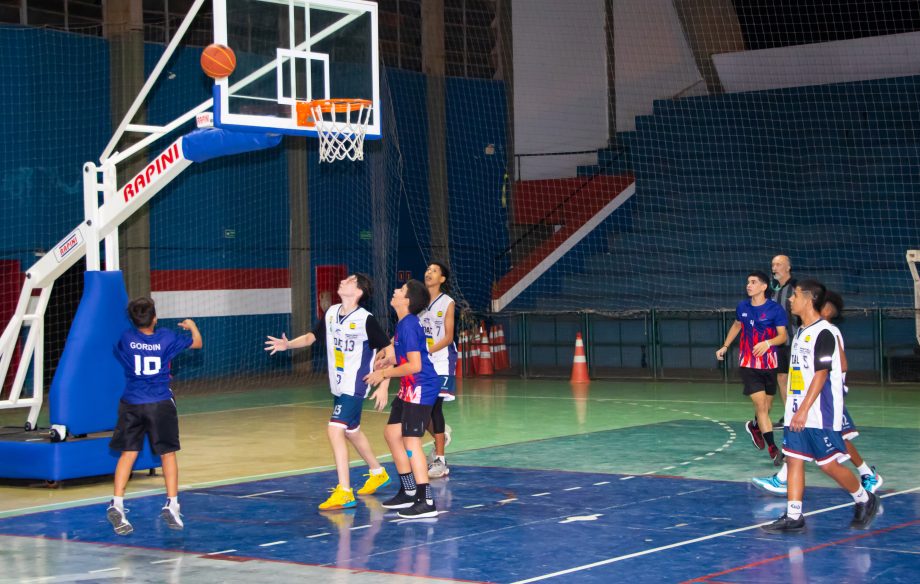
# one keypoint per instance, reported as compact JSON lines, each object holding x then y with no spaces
{"x":236,"y":279}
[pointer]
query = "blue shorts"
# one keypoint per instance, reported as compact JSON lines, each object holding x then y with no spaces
{"x":346,"y":412}
{"x":848,"y":431}
{"x":819,"y":445}
{"x":448,"y":389}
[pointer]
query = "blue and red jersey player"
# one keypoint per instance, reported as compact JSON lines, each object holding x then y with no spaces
{"x":762,"y":323}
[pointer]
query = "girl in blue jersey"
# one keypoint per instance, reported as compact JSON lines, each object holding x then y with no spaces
{"x":410,"y":414}
{"x":147,"y":407}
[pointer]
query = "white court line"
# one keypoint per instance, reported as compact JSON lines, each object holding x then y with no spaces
{"x":473,"y":506}
{"x":260,"y":494}
{"x":571,"y":489}
{"x":512,"y":499}
{"x":601,"y":483}
{"x":686,"y":542}
{"x":271,"y":543}
{"x":319,"y":535}
{"x":627,"y":478}
{"x":219,"y":553}
{"x":540,"y":494}
{"x":201,"y":485}
{"x":104,"y":570}
{"x":360,"y":527}
{"x":179,"y":559}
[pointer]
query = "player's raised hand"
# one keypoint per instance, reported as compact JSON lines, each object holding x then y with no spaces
{"x":187,"y":324}
{"x":274,"y":345}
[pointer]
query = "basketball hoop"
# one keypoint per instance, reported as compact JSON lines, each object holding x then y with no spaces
{"x":340,"y":125}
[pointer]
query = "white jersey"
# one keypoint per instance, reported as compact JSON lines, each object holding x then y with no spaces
{"x":816,"y":346}
{"x":348,"y":350}
{"x":433,"y":318}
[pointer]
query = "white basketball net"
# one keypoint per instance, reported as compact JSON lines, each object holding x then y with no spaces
{"x":341,"y":126}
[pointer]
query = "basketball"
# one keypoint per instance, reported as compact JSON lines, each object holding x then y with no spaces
{"x":218,"y":61}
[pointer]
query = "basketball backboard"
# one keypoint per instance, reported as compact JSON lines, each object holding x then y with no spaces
{"x":295,"y":50}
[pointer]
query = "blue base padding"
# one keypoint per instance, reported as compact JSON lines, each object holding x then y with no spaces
{"x":207,"y":143}
{"x":65,"y":460}
{"x":89,"y":381}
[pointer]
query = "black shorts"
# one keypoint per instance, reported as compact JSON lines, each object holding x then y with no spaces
{"x":413,"y":417}
{"x":158,"y":420}
{"x":782,"y":358}
{"x":758,"y":380}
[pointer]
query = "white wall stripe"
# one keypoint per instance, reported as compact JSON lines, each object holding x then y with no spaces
{"x":202,"y":303}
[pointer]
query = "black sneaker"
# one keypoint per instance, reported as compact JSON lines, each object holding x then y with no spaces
{"x":865,"y":512}
{"x":422,"y":508}
{"x":400,"y":501}
{"x":785,"y":525}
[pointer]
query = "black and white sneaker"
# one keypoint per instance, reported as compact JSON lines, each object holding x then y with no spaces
{"x":865,"y":512}
{"x":119,"y":522}
{"x":400,"y":501}
{"x":785,"y":525}
{"x":172,"y":517}
{"x":419,"y":510}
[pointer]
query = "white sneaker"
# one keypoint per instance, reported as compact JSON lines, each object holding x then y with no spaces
{"x":119,"y":522}
{"x":172,"y":517}
{"x":438,"y":468}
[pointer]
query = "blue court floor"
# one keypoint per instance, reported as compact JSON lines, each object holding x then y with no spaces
{"x":513,"y":525}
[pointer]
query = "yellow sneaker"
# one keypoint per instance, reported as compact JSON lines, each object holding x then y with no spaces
{"x":339,"y":499}
{"x":374,"y":482}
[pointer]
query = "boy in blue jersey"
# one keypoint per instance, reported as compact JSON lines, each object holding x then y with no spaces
{"x":419,"y":386}
{"x":352,"y":335}
{"x":762,"y":325}
{"x":147,"y":407}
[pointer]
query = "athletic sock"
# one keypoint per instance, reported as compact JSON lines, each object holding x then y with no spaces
{"x":376,"y":471}
{"x":408,"y":483}
{"x":783,"y":472}
{"x":172,"y":501}
{"x":864,"y":469}
{"x":118,"y":503}
{"x":754,"y":424}
{"x":768,"y":438}
{"x":860,"y":496}
{"x":424,"y":492}
{"x":793,"y":509}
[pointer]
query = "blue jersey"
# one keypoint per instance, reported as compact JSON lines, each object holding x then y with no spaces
{"x":422,"y":387}
{"x":146,"y":360}
{"x":758,"y":323}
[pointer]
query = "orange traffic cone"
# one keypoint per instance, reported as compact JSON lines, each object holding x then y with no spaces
{"x":485,"y":354}
{"x":580,"y":362}
{"x":473,"y":345}
{"x":503,"y":360}
{"x":458,"y":370}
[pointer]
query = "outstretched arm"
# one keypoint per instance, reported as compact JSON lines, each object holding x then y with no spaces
{"x":189,"y":325}
{"x":283,"y":344}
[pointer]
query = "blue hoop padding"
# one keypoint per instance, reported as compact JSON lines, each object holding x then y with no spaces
{"x":207,"y":143}
{"x":89,"y":381}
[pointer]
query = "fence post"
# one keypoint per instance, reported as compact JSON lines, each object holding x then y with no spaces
{"x":882,"y":370}
{"x":524,"y":344}
{"x":589,"y":344}
{"x":653,"y":342}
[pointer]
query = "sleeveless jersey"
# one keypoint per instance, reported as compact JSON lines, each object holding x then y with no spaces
{"x":348,"y":350}
{"x":432,"y":319}
{"x":815,"y":348}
